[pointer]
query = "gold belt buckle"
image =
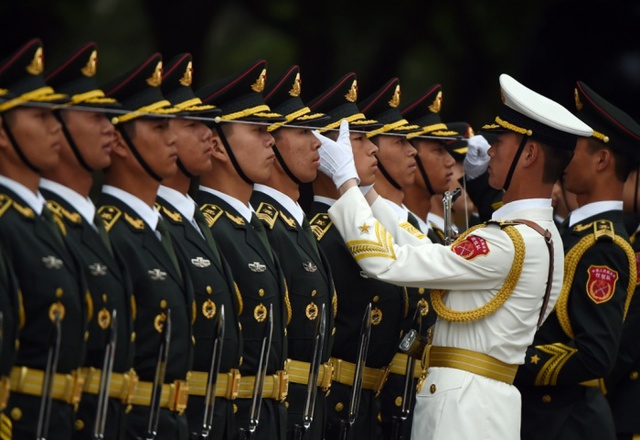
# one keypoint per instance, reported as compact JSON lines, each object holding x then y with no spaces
{"x":234,"y":384}
{"x":283,"y":385}
{"x":382,"y":379}
{"x":129,"y":386}
{"x":5,"y":387}
{"x":325,"y":378}
{"x":179,"y":397}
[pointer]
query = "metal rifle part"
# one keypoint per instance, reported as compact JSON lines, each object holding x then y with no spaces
{"x":312,"y":382}
{"x":354,"y":398}
{"x":158,"y":380}
{"x":105,"y":379}
{"x":53,"y":354}
{"x":450,"y":231}
{"x":212,"y":379}
{"x":258,"y":385}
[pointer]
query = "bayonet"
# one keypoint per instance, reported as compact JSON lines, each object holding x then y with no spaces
{"x":105,"y":379}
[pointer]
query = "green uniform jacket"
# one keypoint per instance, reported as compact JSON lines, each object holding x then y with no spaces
{"x":389,"y":307}
{"x":10,"y":307}
{"x":623,"y":384}
{"x":213,"y":287}
{"x":579,"y":341}
{"x":310,"y":285}
{"x":157,"y":285}
{"x":110,"y":289}
{"x":261,"y":283}
{"x":49,"y":279}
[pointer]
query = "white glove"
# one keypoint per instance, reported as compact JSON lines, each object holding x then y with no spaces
{"x":476,"y":160}
{"x":336,"y":157}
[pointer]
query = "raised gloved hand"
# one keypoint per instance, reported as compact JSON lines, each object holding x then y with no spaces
{"x":476,"y":161}
{"x":336,"y":157}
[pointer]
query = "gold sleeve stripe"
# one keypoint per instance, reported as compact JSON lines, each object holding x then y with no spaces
{"x":499,"y":299}
{"x":560,"y":354}
{"x":381,"y":247}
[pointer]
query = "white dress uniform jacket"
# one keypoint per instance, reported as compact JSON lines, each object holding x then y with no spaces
{"x":456,"y":404}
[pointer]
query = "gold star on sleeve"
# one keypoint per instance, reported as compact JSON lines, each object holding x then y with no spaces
{"x":364,"y":228}
{"x":535,"y":359}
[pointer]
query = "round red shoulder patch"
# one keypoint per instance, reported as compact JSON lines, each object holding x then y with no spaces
{"x":601,"y":283}
{"x":471,"y":247}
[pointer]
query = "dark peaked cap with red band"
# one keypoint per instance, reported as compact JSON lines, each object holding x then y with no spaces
{"x":76,"y":78}
{"x":139,"y":93}
{"x":283,"y":97}
{"x":21,"y":78}
{"x":239,"y":96}
{"x":616,"y":129}
{"x":531,"y":114}
{"x":339,"y":102}
{"x":425,"y":112}
{"x":176,"y":87}
{"x":383,"y":105}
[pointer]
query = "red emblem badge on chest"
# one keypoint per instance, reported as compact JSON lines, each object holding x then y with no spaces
{"x":471,"y":247}
{"x":601,"y":283}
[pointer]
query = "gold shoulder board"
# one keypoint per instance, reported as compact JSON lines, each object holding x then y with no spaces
{"x":603,"y":229}
{"x":109,"y":215}
{"x":268,"y":214}
{"x":211,"y":213}
{"x":320,"y":224}
{"x":59,"y":211}
{"x":5,"y":203}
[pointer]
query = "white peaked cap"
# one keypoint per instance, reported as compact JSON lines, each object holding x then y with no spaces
{"x":540,"y":108}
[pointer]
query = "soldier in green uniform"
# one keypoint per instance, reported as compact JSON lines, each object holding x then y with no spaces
{"x":306,"y":270}
{"x":211,"y":276}
{"x":85,"y":149}
{"x":144,"y":154}
{"x":242,"y":156}
{"x":434,"y":162}
{"x":49,"y":276}
{"x":561,"y":380}
{"x":355,"y":289}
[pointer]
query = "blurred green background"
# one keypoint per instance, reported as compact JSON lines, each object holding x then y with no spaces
{"x":462,"y":44}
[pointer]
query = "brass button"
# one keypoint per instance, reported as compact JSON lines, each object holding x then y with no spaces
{"x":128,"y":409}
{"x":633,"y":375}
{"x":209,"y":289}
{"x":240,"y":361}
{"x":398,"y":401}
{"x":104,"y":297}
{"x":339,"y":406}
{"x":235,"y":408}
{"x":286,"y":404}
{"x":261,"y":292}
{"x":432,"y":388}
{"x":59,"y":292}
{"x":314,"y":292}
{"x":86,"y":336}
{"x":163,"y":303}
{"x":333,"y":331}
{"x":421,"y":290}
{"x":78,"y":425}
{"x":133,"y":336}
{"x":546,"y":398}
{"x":16,"y":414}
{"x":376,"y":298}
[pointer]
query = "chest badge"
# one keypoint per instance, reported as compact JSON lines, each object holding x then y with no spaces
{"x":200,"y":262}
{"x":311,"y":311}
{"x":97,"y":269}
{"x":157,"y":275}
{"x":52,"y":262}
{"x":257,"y":267}
{"x":309,"y":266}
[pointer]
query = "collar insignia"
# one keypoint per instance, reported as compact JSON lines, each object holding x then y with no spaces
{"x":257,"y":267}
{"x":98,"y":269}
{"x":157,"y":275}
{"x":200,"y":262}
{"x":52,"y":262}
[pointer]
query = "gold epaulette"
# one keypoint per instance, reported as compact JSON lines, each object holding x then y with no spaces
{"x":268,"y":214}
{"x":320,"y":224}
{"x":290,"y":222}
{"x":174,"y":216}
{"x":601,"y":229}
{"x":211,"y":213}
{"x":63,"y":213}
{"x":6,"y":202}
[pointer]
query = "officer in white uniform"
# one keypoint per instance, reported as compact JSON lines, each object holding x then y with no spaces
{"x":494,"y":277}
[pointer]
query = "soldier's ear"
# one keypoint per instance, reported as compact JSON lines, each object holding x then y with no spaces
{"x":219,"y":152}
{"x":4,"y":139}
{"x":119,"y":145}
